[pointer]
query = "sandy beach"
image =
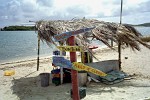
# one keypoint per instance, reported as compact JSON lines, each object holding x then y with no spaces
{"x":25,"y":84}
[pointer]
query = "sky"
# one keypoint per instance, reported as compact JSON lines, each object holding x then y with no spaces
{"x":19,"y":12}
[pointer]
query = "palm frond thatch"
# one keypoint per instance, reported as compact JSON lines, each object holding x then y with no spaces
{"x":103,"y":31}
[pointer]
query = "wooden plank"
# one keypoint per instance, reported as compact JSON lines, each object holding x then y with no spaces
{"x":66,"y":35}
{"x":82,"y":67}
{"x":70,"y":48}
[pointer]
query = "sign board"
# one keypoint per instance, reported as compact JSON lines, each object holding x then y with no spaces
{"x":66,"y":35}
{"x":61,"y":62}
{"x":82,"y":67}
{"x":70,"y":48}
{"x":56,"y":52}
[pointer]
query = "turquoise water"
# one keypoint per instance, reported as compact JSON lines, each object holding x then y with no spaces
{"x":19,"y":45}
{"x":144,"y":30}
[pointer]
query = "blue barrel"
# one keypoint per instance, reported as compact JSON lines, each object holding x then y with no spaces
{"x":45,"y":79}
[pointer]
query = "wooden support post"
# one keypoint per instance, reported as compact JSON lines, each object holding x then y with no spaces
{"x":61,"y":68}
{"x":74,"y":73}
{"x":112,"y":43}
{"x":61,"y":72}
{"x":38,"y":52}
{"x":119,"y":54}
{"x":119,"y":42}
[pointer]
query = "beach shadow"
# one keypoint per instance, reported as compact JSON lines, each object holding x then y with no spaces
{"x":133,"y":83}
{"x":100,"y":88}
{"x":29,"y":88}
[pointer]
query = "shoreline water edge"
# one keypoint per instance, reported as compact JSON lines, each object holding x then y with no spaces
{"x":21,"y":46}
{"x":45,"y":57}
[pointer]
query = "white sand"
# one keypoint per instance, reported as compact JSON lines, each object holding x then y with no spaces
{"x":25,"y":84}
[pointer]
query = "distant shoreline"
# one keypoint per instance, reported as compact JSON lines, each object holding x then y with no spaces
{"x":18,"y":28}
{"x":23,"y":60}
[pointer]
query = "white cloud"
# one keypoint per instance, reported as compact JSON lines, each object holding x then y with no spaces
{"x":21,"y":11}
{"x":4,"y":17}
{"x":129,"y":19}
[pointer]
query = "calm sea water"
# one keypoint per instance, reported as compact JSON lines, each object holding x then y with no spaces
{"x":21,"y":45}
{"x":144,"y":30}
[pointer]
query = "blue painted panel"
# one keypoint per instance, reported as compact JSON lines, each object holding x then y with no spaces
{"x":61,"y":62}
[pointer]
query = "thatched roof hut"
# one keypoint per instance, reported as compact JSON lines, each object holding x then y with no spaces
{"x":103,"y":31}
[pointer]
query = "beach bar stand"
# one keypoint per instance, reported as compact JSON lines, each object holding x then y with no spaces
{"x":119,"y":33}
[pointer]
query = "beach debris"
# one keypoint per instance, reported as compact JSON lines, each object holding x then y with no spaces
{"x":9,"y":72}
{"x":110,"y":78}
{"x":113,"y":77}
{"x":95,"y":80}
{"x":129,"y":78}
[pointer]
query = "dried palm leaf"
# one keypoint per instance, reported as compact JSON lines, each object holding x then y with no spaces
{"x":104,"y":31}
